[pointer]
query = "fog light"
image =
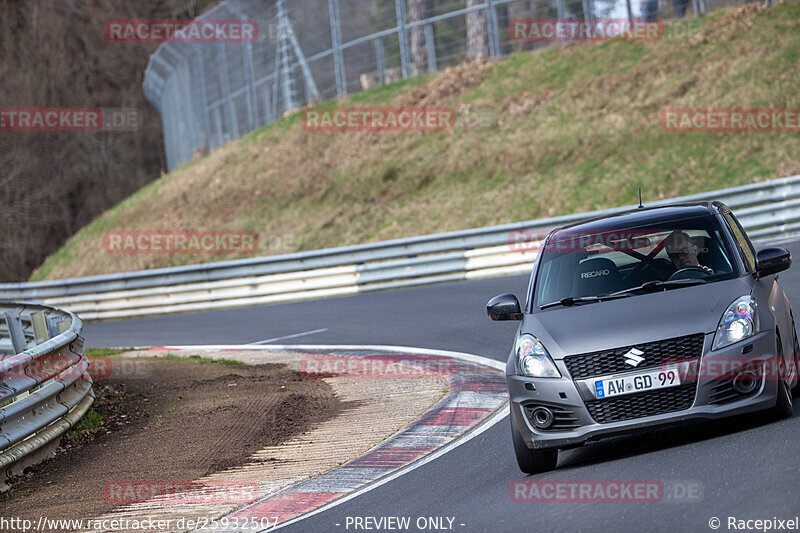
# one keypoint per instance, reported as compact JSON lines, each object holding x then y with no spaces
{"x":542,"y":417}
{"x":745,"y":383}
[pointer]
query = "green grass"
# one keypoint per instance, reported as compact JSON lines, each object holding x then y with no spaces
{"x":90,"y":421}
{"x":203,"y":360}
{"x":103,"y":352}
{"x":562,"y":130}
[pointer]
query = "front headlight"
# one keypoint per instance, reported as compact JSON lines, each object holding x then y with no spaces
{"x":533,"y":360}
{"x":739,"y":322}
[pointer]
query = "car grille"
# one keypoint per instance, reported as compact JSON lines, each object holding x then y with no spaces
{"x":610,"y":361}
{"x":627,"y":407}
{"x":563,"y":419}
{"x":641,"y":405}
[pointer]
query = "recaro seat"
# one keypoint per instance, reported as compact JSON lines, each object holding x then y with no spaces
{"x":595,"y":276}
{"x":709,"y":254}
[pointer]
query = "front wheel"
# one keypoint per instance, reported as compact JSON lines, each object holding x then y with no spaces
{"x":532,"y":461}
{"x":783,"y":404}
{"x":796,"y":348}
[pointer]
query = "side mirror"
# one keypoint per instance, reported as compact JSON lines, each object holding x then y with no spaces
{"x":504,"y":307}
{"x":772,"y":260}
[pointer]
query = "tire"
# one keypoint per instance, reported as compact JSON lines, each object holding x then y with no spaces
{"x":532,"y":461}
{"x":783,"y":403}
{"x":796,"y":347}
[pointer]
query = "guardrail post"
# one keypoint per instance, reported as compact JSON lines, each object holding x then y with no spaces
{"x":336,"y":37}
{"x":40,"y":332}
{"x":15,"y":331}
{"x":53,"y":326}
{"x":405,"y":61}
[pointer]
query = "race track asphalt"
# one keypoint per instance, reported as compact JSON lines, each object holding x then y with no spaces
{"x":746,"y":468}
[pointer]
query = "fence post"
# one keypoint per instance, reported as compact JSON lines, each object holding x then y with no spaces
{"x":199,"y":75}
{"x":286,"y":71}
{"x":336,"y":36}
{"x":249,"y":76}
{"x":400,"y":8}
{"x":218,"y":124}
{"x":224,"y":82}
{"x":311,"y":85}
{"x":381,"y":59}
{"x":562,"y":9}
{"x":268,"y":118}
{"x":494,"y":37}
{"x":430,"y":45}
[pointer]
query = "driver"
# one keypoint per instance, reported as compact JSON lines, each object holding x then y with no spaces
{"x":682,"y":251}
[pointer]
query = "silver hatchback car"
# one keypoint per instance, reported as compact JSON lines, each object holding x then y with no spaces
{"x":651,"y":317}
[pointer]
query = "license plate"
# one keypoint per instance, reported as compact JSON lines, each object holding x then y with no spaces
{"x":661,"y":378}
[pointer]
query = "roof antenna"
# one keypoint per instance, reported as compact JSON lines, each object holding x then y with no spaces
{"x":640,"y":198}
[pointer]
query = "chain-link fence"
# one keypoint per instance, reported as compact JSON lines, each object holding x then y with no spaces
{"x":310,"y":50}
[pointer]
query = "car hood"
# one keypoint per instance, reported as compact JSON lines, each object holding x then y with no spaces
{"x":628,"y":321}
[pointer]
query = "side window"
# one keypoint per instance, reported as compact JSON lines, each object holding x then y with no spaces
{"x":748,"y":252}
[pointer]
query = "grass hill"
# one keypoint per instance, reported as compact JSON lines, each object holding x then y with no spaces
{"x":566,"y":129}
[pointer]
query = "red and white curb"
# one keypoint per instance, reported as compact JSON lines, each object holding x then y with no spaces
{"x":474,"y":403}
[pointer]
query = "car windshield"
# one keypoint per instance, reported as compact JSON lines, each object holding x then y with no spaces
{"x":581,"y":265}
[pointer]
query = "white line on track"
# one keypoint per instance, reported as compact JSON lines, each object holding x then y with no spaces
{"x":294,"y":336}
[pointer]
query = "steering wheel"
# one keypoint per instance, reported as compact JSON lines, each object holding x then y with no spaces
{"x":691,"y":272}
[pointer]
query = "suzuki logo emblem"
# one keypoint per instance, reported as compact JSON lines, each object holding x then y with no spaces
{"x":634,"y":357}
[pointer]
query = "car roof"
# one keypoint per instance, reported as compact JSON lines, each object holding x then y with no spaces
{"x":643,"y":216}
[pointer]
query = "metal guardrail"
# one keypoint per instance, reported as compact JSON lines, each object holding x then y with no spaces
{"x":768,"y":210}
{"x":44,"y":384}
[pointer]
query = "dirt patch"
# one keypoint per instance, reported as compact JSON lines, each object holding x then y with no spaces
{"x":738,"y":20}
{"x":173,"y":420}
{"x":451,"y":82}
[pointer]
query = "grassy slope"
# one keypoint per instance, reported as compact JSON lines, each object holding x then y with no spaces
{"x":567,"y":129}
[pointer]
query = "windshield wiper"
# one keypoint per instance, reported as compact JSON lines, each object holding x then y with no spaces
{"x":569,"y":300}
{"x":657,"y":285}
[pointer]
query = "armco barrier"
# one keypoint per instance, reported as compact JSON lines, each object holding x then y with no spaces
{"x":44,"y":384}
{"x":768,"y":210}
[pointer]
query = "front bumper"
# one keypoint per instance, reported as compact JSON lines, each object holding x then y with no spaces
{"x":565,"y":395}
